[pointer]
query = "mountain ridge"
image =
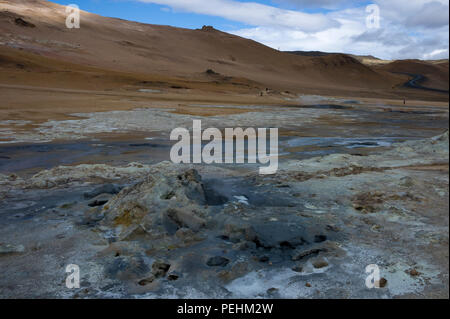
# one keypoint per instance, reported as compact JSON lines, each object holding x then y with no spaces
{"x":141,"y":50}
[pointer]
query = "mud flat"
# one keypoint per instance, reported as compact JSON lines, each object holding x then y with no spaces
{"x":322,"y":117}
{"x":317,"y":126}
{"x":165,"y":230}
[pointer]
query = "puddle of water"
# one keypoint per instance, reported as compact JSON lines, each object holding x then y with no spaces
{"x":342,"y":129}
{"x":345,"y":142}
{"x":31,"y":158}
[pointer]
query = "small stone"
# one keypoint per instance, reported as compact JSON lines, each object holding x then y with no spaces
{"x":272,"y":291}
{"x":264,"y":259}
{"x":67,"y":205}
{"x":100,"y":200}
{"x":376,"y":228}
{"x":244,"y":245}
{"x":406,"y":181}
{"x":297,"y":268}
{"x":217,"y":261}
{"x":184,"y":234}
{"x":382,"y":282}
{"x":300,"y":254}
{"x":333,"y":228}
{"x":96,"y":203}
{"x":146,"y":281}
{"x":186,"y":219}
{"x":159,"y":269}
{"x":414,"y":272}
{"x":37,"y":246}
{"x":319,"y":263}
{"x":173,"y":276}
{"x":308,"y":285}
{"x":319,"y":238}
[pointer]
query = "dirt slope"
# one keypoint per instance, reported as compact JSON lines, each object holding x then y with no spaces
{"x":36,"y":48}
{"x":39,"y":27}
{"x":436,"y":72}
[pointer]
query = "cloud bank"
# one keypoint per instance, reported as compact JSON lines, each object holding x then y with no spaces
{"x":408,"y":28}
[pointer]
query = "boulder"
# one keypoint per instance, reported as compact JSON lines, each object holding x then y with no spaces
{"x":161,"y":203}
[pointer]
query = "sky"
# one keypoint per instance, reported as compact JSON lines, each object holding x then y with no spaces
{"x":387,"y":29}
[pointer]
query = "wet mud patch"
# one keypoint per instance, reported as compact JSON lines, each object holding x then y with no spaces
{"x":31,"y":158}
{"x":246,"y":192}
{"x":371,"y":202}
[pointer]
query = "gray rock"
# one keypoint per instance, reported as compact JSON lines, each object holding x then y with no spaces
{"x":246,"y":245}
{"x":104,"y":189}
{"x":279,"y":234}
{"x":160,"y":268}
{"x":163,"y":202}
{"x":319,"y":263}
{"x":173,"y":275}
{"x":185,"y":219}
{"x":126,"y":268}
{"x":7,"y":249}
{"x":297,"y":268}
{"x":92,"y":216}
{"x":100,"y":200}
{"x":264,"y":259}
{"x":146,"y":281}
{"x":300,"y":254}
{"x":272,"y":291}
{"x":319,"y":238}
{"x":406,"y":181}
{"x":217,"y":261}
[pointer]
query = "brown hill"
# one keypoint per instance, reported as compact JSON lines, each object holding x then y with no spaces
{"x":36,"y":48}
{"x":436,"y":72}
{"x":38,"y":27}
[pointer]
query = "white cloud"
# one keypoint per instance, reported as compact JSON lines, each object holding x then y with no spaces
{"x":408,"y":28}
{"x":326,"y":4}
{"x":415,"y":13}
{"x":253,"y":13}
{"x":437,"y":54}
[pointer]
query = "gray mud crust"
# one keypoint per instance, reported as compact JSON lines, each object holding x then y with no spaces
{"x":182,"y":231}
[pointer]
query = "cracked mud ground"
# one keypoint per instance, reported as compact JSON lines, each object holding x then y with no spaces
{"x":166,"y":230}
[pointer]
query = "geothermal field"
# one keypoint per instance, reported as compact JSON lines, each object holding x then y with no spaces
{"x":87,"y":179}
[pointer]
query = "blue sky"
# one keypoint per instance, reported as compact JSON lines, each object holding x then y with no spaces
{"x":151,"y":13}
{"x":163,"y":14}
{"x":407,"y":28}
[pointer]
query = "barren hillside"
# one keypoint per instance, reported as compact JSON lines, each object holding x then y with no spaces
{"x":37,"y":49}
{"x":435,"y":72}
{"x":38,"y":27}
